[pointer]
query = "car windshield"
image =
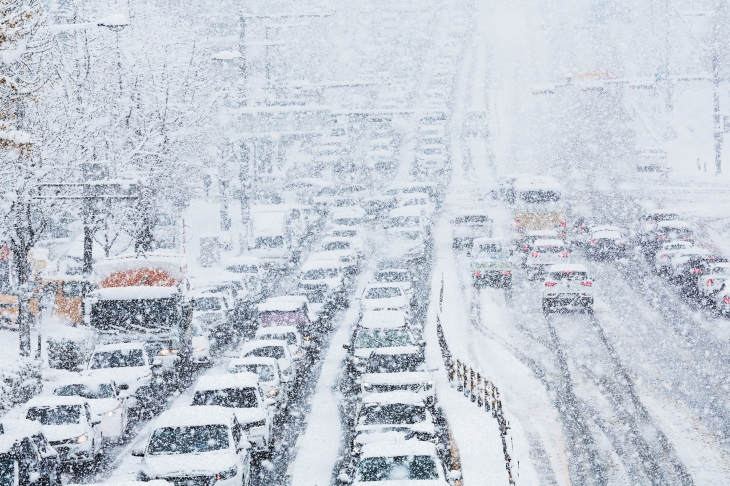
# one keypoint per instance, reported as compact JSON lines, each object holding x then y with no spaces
{"x":102,"y":390}
{"x":188,"y":440}
{"x":382,"y":338}
{"x":119,"y":358}
{"x":204,"y":304}
{"x":336,"y":245}
{"x":393,"y":413}
{"x":569,"y":275}
{"x":346,"y":202}
{"x":289,"y":337}
{"x":394,"y":363}
{"x":275,"y":318}
{"x":393,"y":276}
{"x":276,"y":352}
{"x":60,"y":415}
{"x":549,"y":249}
{"x":320,"y":273}
{"x":228,"y":397}
{"x":659,"y":217}
{"x":243,"y":269}
{"x":471,"y":219}
{"x":269,"y":242}
{"x":264,"y":372}
{"x":539,"y":196}
{"x":347,"y":221}
{"x":383,"y":292}
{"x":399,"y":468}
{"x":345,"y":233}
{"x":489,"y":248}
{"x":404,"y":221}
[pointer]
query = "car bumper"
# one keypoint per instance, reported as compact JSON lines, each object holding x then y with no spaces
{"x":567,"y":301}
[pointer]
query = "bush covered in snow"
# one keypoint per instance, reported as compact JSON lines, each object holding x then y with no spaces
{"x":20,"y":381}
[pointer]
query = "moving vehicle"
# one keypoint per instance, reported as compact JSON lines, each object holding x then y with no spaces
{"x":475,"y":124}
{"x":710,"y":283}
{"x":279,"y":350}
{"x":407,"y":220}
{"x":606,"y":242}
{"x":287,"y":310}
{"x":545,"y":253}
{"x":26,"y":456}
{"x":537,"y":205}
{"x":420,"y":201}
{"x":213,"y":310}
{"x":432,"y":158}
{"x":491,"y":262}
{"x":241,"y":392}
{"x":398,"y":368}
{"x":375,"y":330}
{"x":68,"y":423}
{"x":129,"y":367}
{"x":269,"y":376}
{"x":567,"y":287}
{"x":340,"y":249}
{"x":107,"y":402}
{"x":430,"y":188}
{"x":273,"y":236}
{"x":385,"y":297}
{"x":397,"y":275}
{"x":297,"y":345}
{"x":467,"y":226}
{"x":201,"y":445}
{"x":350,"y":217}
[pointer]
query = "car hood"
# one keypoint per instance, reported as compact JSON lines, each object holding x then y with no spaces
{"x":102,"y":405}
{"x":247,"y":415}
{"x":425,"y":427}
{"x":395,"y":302}
{"x":120,"y":375}
{"x":397,"y":378}
{"x":205,"y":464}
{"x":62,"y":432}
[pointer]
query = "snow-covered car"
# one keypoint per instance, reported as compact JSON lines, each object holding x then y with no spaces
{"x":430,"y":188}
{"x":398,"y":368}
{"x":432,"y":131}
{"x":212,"y":310}
{"x":432,"y":158}
{"x":287,"y":310}
{"x":651,"y":219}
{"x":420,"y":201}
{"x":405,"y":248}
{"x":651,"y":160}
{"x":406,"y":219}
{"x":709,"y":283}
{"x":305,"y":187}
{"x":26,"y":456}
{"x":326,"y":276}
{"x":353,"y":235}
{"x":241,"y":392}
{"x":402,"y":463}
{"x":475,"y":124}
{"x":545,"y":253}
{"x":664,"y":252}
{"x":381,"y":154}
{"x":297,"y":344}
{"x":127,"y":365}
{"x":385,"y":297}
{"x":392,"y":416}
{"x":375,"y":330}
{"x":107,"y":402}
{"x":525,"y":242}
{"x":467,"y":226}
{"x":722,"y":299}
{"x":202,"y":445}
{"x":567,"y":287}
{"x":341,"y":249}
{"x":279,"y":350}
{"x":350,"y":217}
{"x":606,"y":242}
{"x":401,"y":276}
{"x":687,"y":264}
{"x":490,"y":262}
{"x":666,"y":231}
{"x":69,"y":425}
{"x":267,"y":369}
{"x":377,"y":207}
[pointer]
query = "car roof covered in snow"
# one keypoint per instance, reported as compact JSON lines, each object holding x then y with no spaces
{"x":55,"y":401}
{"x":405,"y":211}
{"x":228,"y":380}
{"x":79,"y":379}
{"x":140,"y":292}
{"x":381,"y":285}
{"x":393,"y":350}
{"x":348,"y":212}
{"x":548,"y":242}
{"x":568,"y":267}
{"x":207,"y":291}
{"x":284,"y":303}
{"x":15,"y":430}
{"x":265,"y":331}
{"x":414,"y":195}
{"x":115,"y":346}
{"x":384,"y":319}
{"x":406,"y":397}
{"x":674,"y":224}
{"x":262,"y":343}
{"x":192,"y":416}
{"x":400,"y":378}
{"x":252,"y":360}
{"x":396,"y":449}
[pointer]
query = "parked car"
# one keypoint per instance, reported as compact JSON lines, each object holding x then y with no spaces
{"x":128,"y":365}
{"x":392,"y":416}
{"x":26,"y":456}
{"x":267,"y":369}
{"x":467,"y":226}
{"x":567,"y":287}
{"x":107,"y":402}
{"x":202,"y":445}
{"x":68,"y":423}
{"x":241,"y":392}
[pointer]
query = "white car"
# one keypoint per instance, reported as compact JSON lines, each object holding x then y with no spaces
{"x":107,"y":402}
{"x":545,"y":253}
{"x":381,"y":154}
{"x":405,"y":463}
{"x":341,"y":249}
{"x":430,"y":188}
{"x":202,"y":444}
{"x":467,"y":226}
{"x":354,"y":235}
{"x":406,"y":219}
{"x":606,"y":242}
{"x":400,"y":276}
{"x":70,"y":426}
{"x":127,"y":365}
{"x":432,"y":158}
{"x":279,"y":350}
{"x":567,"y":287}
{"x":318,"y":274}
{"x":241,"y":392}
{"x":722,"y":299}
{"x":385,"y":297}
{"x":652,"y":218}
{"x":350,"y":217}
{"x":297,"y":345}
{"x":212,"y":310}
{"x":664,"y":253}
{"x":398,"y":368}
{"x":420,"y":201}
{"x":267,"y":369}
{"x":711,"y":282}
{"x":375,"y":330}
{"x":392,"y":416}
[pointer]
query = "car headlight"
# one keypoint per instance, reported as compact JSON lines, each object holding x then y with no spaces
{"x":167,"y":352}
{"x":81,"y":439}
{"x":227,"y":474}
{"x":111,"y":413}
{"x":272,"y":393}
{"x":201,"y":348}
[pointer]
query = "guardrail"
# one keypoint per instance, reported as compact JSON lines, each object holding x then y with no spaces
{"x":475,"y":386}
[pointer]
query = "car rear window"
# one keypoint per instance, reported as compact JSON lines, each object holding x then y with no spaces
{"x":398,"y":468}
{"x":228,"y":397}
{"x":276,"y":352}
{"x":383,"y":292}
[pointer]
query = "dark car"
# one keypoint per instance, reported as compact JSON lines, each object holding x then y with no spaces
{"x":26,"y":455}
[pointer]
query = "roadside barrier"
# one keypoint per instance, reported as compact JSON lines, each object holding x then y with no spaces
{"x":474,"y":386}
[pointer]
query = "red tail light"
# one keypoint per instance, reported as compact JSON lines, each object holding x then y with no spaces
{"x":564,"y":254}
{"x":710,"y":283}
{"x":686,"y":237}
{"x":505,"y":273}
{"x":586,"y":283}
{"x":580,"y":228}
{"x":661,"y":237}
{"x":562,"y":223}
{"x":517,"y":223}
{"x":456,"y":226}
{"x":594,"y":241}
{"x":527,"y":248}
{"x":726,"y":300}
{"x":550,"y":284}
{"x":534,"y":255}
{"x":663,"y":256}
{"x":696,"y":270}
{"x":477,"y":274}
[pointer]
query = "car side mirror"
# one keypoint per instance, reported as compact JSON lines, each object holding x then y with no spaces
{"x":138,"y":452}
